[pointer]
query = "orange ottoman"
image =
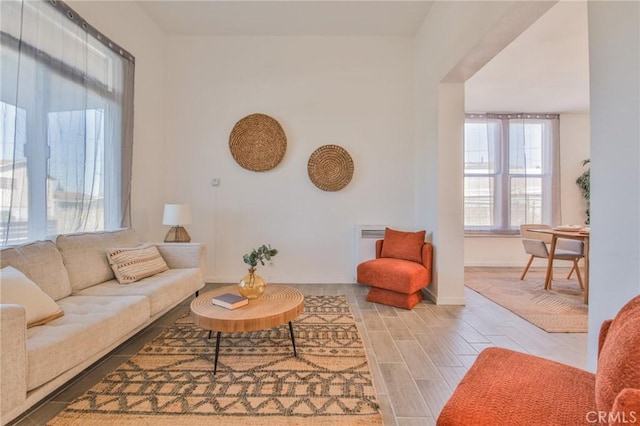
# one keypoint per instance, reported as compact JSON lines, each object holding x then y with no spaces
{"x":401,"y":269}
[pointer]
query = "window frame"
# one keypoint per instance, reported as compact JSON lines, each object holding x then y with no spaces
{"x":502,"y":197}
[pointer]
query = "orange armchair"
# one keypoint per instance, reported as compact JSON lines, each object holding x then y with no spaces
{"x":397,"y":281}
{"x":504,"y":387}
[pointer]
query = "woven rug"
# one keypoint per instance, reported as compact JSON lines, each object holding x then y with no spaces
{"x":258,"y":382}
{"x":559,"y":310}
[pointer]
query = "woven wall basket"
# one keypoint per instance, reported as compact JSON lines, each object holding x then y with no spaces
{"x":330,"y":168}
{"x":257,"y":142}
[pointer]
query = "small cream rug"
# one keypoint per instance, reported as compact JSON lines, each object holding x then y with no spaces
{"x":259,"y":381}
{"x":559,"y":310}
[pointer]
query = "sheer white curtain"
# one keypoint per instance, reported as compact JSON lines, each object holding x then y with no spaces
{"x":482,"y":169}
{"x":66,"y":105}
{"x":534,"y":169}
{"x":511,"y":171}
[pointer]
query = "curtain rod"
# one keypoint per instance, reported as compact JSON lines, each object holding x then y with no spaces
{"x":513,"y":115}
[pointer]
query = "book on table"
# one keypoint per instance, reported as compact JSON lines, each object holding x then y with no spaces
{"x":229,"y":300}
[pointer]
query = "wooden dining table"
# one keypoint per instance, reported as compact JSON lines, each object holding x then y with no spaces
{"x":572,"y":235}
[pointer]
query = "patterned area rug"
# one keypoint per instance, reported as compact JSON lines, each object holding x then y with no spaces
{"x":559,"y":310}
{"x":259,"y":381}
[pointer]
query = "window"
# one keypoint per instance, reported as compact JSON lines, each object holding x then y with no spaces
{"x":65,"y":124}
{"x":509,"y":171}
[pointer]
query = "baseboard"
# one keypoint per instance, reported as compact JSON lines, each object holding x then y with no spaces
{"x":457,"y":301}
{"x":218,"y":280}
{"x":429,"y":295}
{"x":235,"y":280}
{"x":500,"y":264}
{"x":520,"y":265}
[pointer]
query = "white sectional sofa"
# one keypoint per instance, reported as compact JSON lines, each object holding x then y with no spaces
{"x":99,"y":313}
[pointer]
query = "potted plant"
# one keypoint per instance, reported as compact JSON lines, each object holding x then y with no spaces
{"x":253,"y":285}
{"x":584,"y":183}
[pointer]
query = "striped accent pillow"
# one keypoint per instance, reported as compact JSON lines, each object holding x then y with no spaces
{"x":135,"y":263}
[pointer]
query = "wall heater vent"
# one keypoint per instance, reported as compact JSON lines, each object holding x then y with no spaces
{"x":372,"y":233}
{"x":366,"y":237}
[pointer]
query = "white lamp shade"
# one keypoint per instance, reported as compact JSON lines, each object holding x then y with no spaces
{"x":176,"y":214}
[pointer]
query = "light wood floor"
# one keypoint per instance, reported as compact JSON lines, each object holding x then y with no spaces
{"x":417,"y":357}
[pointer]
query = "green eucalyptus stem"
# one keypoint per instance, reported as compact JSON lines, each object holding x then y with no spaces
{"x":252,"y":277}
{"x":262,"y":253}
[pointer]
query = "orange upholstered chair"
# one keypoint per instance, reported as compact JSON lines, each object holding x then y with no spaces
{"x":401,"y":269}
{"x":504,"y":387}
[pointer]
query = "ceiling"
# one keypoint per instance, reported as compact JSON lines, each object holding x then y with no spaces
{"x":546,"y":69}
{"x":324,"y":17}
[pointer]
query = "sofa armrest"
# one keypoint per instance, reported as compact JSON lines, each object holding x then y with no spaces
{"x":379,"y":248}
{"x":626,"y":407}
{"x":604,"y":329}
{"x":13,"y":357}
{"x":183,"y":255}
{"x":427,"y":258}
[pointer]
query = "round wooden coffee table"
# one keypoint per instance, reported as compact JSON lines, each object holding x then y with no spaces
{"x":278,"y":305}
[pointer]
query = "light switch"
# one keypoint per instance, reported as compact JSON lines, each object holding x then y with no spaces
{"x":215,"y":182}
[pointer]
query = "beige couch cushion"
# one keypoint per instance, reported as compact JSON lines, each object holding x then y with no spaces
{"x":41,"y":263}
{"x":163,"y":289}
{"x":135,"y":263}
{"x":89,"y":326}
{"x":13,"y":368}
{"x":85,"y":255}
{"x":17,"y":289}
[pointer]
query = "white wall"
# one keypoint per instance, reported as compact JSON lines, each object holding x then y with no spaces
{"x":126,"y":24}
{"x":508,"y":251}
{"x":575,"y":143}
{"x":614,"y":52}
{"x":450,"y":193}
{"x":355,"y":92}
{"x":455,"y":40}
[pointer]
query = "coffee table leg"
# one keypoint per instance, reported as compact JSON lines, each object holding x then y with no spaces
{"x":215,"y":362}
{"x":293,"y":340}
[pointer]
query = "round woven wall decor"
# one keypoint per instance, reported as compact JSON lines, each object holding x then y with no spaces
{"x":257,"y":142}
{"x":330,"y":168}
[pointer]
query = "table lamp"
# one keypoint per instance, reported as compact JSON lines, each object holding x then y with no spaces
{"x":177,"y":215}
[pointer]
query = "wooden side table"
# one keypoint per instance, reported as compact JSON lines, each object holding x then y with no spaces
{"x":278,"y":305}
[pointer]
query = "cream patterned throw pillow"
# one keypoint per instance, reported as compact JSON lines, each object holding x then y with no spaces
{"x":135,"y":263}
{"x":17,"y":289}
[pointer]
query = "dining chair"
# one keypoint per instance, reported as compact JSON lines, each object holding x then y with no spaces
{"x":535,"y":244}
